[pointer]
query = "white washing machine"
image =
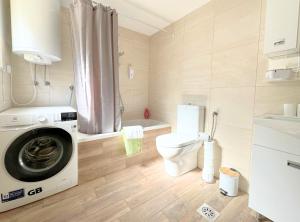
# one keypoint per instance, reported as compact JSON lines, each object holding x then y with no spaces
{"x":38,"y":154}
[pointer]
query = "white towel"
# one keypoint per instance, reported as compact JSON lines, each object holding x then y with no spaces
{"x":133,"y":132}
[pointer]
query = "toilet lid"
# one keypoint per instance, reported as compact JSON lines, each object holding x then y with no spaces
{"x":173,"y":140}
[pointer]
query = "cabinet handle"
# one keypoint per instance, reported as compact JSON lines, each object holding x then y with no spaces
{"x":293,"y":164}
{"x":280,"y":42}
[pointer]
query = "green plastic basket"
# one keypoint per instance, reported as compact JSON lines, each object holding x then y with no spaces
{"x":132,"y":146}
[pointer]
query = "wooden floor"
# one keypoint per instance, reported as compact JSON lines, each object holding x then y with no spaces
{"x":139,"y":193}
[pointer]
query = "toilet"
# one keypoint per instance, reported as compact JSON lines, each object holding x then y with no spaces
{"x":180,"y":150}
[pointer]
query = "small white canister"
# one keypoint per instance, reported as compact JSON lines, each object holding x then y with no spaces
{"x":229,"y":181}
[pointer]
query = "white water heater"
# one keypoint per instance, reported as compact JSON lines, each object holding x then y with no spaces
{"x":36,"y":30}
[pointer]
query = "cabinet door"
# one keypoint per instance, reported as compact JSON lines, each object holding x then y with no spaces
{"x":281,"y":28}
{"x":275,"y":184}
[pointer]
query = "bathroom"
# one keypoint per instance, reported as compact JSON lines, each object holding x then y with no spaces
{"x":208,"y":53}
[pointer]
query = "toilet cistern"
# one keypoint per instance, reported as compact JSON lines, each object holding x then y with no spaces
{"x":180,"y":149}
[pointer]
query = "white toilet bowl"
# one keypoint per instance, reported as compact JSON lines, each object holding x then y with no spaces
{"x":180,"y":153}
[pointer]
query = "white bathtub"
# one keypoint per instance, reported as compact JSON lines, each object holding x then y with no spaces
{"x":147,"y":124}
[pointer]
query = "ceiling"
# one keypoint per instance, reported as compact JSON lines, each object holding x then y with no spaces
{"x":149,"y":16}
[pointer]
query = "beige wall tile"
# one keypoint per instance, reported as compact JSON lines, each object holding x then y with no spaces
{"x":237,"y":26}
{"x":207,"y":11}
{"x":60,"y":95}
{"x":221,"y":6}
{"x":235,"y":67}
{"x":223,"y":70}
{"x":271,"y":99}
{"x":235,"y":145}
{"x":24,"y":93}
{"x":196,"y":72}
{"x":235,"y":106}
{"x":232,"y":149}
{"x":198,"y":38}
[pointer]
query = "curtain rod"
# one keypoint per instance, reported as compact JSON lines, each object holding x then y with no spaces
{"x":138,"y":20}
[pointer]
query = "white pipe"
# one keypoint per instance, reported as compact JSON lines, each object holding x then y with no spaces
{"x":34,"y":91}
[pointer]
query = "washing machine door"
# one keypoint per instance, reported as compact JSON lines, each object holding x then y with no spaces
{"x":39,"y":154}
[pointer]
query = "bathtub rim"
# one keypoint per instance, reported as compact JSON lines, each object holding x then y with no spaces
{"x":81,"y":137}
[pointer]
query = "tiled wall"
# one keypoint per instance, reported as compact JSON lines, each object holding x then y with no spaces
{"x":137,"y":54}
{"x":5,"y":46}
{"x":59,"y":74}
{"x":134,"y":92}
{"x":217,"y":51}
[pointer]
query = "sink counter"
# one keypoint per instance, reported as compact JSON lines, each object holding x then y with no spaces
{"x":286,"y":125}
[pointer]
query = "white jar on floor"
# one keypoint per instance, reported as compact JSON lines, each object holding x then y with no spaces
{"x":229,"y":181}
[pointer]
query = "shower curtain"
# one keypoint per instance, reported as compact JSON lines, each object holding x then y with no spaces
{"x":95,"y":53}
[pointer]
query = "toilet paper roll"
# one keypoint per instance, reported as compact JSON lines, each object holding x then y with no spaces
{"x":208,"y":169}
{"x":290,"y":110}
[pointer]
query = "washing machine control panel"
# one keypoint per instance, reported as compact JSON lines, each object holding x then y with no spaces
{"x":69,"y":116}
{"x":63,"y":117}
{"x":30,"y":116}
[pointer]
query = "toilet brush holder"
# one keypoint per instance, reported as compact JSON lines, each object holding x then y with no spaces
{"x":208,"y":169}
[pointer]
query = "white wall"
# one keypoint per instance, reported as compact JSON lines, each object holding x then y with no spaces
{"x":5,"y":46}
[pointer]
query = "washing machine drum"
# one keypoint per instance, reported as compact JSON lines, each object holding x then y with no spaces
{"x":39,"y":154}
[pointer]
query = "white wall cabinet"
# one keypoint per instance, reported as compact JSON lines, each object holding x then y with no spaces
{"x":282,"y":27}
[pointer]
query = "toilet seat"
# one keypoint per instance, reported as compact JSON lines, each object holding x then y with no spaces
{"x":174,"y":140}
